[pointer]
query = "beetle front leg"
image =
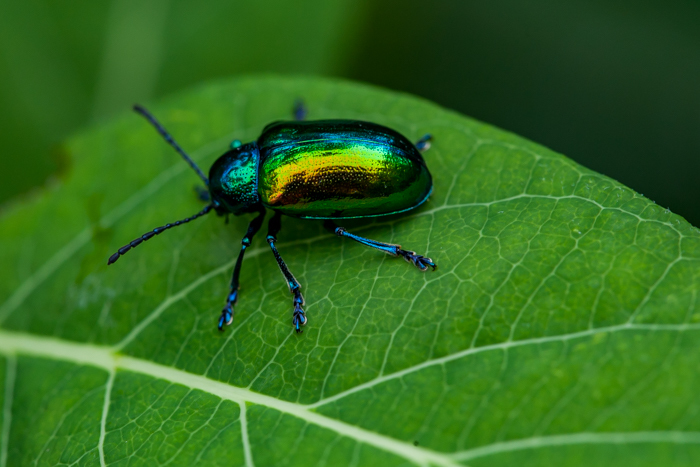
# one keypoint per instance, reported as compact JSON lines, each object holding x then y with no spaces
{"x":227,"y":313}
{"x":421,"y":262}
{"x":202,"y":194}
{"x":299,"y":317}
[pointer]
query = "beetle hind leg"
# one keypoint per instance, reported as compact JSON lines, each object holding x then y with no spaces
{"x":419,"y":261}
{"x":227,"y":313}
{"x":299,"y":318}
{"x":423,"y":144}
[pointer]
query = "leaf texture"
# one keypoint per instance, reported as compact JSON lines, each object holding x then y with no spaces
{"x":560,"y":327}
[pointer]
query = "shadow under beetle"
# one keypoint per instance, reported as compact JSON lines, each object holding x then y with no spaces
{"x":324,"y":169}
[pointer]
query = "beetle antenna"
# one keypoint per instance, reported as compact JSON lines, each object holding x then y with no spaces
{"x":164,"y":133}
{"x":122,"y":251}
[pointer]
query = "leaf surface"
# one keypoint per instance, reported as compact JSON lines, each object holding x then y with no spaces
{"x":560,"y":327}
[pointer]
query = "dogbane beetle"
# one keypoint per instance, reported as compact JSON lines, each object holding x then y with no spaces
{"x":323,"y":169}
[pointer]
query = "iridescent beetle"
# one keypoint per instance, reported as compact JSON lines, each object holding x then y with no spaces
{"x":324,"y":169}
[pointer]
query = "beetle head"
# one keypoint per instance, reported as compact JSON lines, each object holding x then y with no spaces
{"x":233,"y":180}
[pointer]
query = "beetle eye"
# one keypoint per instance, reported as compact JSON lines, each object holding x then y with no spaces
{"x":236,"y":143}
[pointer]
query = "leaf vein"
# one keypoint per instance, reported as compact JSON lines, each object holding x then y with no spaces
{"x":103,"y":418}
{"x":10,"y":379}
{"x":675,"y":437}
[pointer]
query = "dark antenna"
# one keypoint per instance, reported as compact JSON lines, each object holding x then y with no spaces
{"x":122,"y":251}
{"x":164,"y":133}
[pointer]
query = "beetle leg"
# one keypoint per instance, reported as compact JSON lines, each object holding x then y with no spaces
{"x":299,"y":317}
{"x":423,"y":144}
{"x":227,"y":313}
{"x":421,"y":262}
{"x":300,"y":110}
{"x":202,"y":194}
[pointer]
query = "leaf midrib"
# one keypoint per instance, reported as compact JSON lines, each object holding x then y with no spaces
{"x":110,"y":360}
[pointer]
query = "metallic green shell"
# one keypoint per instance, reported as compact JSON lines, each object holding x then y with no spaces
{"x":339,"y":169}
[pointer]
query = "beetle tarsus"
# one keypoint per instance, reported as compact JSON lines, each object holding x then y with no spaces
{"x":419,"y":261}
{"x":299,"y":317}
{"x":423,"y":144}
{"x":227,"y":313}
{"x":226,"y":317}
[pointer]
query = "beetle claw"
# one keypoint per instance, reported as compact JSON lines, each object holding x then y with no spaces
{"x":226,"y":316}
{"x":299,"y":318}
{"x":419,"y":261}
{"x":423,"y":144}
{"x":227,"y":313}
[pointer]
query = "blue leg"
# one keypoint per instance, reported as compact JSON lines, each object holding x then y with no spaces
{"x":421,"y":262}
{"x":227,"y":313}
{"x":423,"y":144}
{"x":298,"y":318}
{"x":300,"y":110}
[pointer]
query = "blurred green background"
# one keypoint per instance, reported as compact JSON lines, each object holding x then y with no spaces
{"x":615,"y":85}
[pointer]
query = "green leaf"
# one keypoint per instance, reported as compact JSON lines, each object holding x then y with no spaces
{"x":560,"y":329}
{"x":103,"y":56}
